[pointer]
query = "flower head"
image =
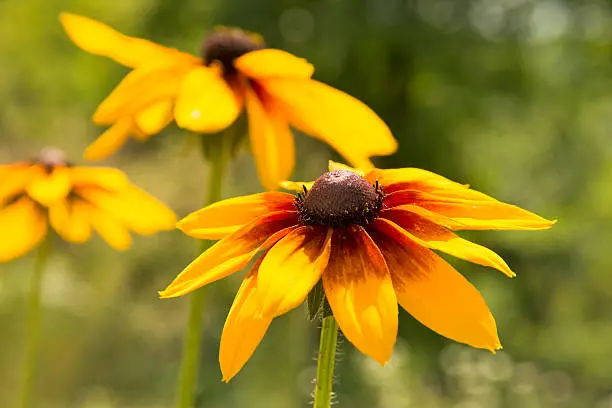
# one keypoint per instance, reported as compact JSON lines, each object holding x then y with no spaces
{"x":369,"y":238}
{"x":74,"y":201}
{"x":206,"y":94}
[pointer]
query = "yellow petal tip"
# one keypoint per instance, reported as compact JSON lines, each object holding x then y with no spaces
{"x":64,"y":16}
{"x":164,"y":294}
{"x":496,"y":348}
{"x":91,"y":155}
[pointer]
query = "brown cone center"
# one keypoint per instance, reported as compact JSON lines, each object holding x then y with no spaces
{"x":338,"y":199}
{"x":227,"y":44}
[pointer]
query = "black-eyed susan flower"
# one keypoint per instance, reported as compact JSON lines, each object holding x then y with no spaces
{"x":74,"y":201}
{"x":207,"y":93}
{"x":369,"y":238}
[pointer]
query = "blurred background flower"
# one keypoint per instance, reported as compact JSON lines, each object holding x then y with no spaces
{"x":74,"y":201}
{"x":206,"y":94}
{"x":512,"y":96}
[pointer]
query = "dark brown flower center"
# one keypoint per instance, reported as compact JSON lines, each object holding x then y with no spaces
{"x":51,"y":157}
{"x":338,"y":199}
{"x":227,"y":44}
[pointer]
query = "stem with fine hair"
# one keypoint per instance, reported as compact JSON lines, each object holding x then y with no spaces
{"x":193,"y":336}
{"x":325,"y":363}
{"x":28,"y":372}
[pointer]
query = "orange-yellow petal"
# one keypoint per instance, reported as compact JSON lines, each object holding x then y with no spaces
{"x":291,"y":268}
{"x":136,"y":209}
{"x":140,"y":90}
{"x":270,"y":63}
{"x":206,"y":103}
{"x":49,"y":188}
{"x":428,"y":215}
{"x":224,"y":217}
{"x":15,"y":179}
{"x":242,"y":331}
{"x":108,"y":178}
{"x":72,"y":219}
{"x":271,"y":141}
{"x":99,"y":39}
{"x":412,"y":178}
{"x":153,"y":119}
{"x":232,"y":253}
{"x":22,"y":226}
{"x":359,"y":290}
{"x":340,"y":120}
{"x":481,"y":215}
{"x":434,"y":236}
{"x":111,"y":230}
{"x":470,"y":209}
{"x":434,"y":293}
{"x":296,"y":185}
{"x":110,"y":141}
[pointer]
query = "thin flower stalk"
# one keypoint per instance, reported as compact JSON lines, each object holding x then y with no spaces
{"x":28,"y":372}
{"x":325,"y":363}
{"x":188,"y":377}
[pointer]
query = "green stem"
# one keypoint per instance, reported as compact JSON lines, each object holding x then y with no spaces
{"x":33,"y":326}
{"x":325,"y":363}
{"x":193,"y":335}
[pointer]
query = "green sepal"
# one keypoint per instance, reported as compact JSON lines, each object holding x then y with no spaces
{"x":315,"y":300}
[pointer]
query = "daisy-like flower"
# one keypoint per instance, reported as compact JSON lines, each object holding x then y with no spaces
{"x":369,"y":237}
{"x":74,"y":201}
{"x":207,"y":93}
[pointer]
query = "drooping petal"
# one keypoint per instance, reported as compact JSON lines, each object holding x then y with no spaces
{"x":434,"y":293}
{"x":232,"y":253}
{"x":270,"y":62}
{"x":206,"y":103}
{"x":136,"y":209}
{"x":291,"y":268}
{"x":243,"y":331}
{"x":154,"y":119}
{"x":108,"y":178}
{"x":434,"y":236}
{"x":16,"y":178}
{"x":99,"y":39}
{"x":49,"y":188}
{"x":271,"y":141}
{"x":22,"y":226}
{"x":225,"y":217}
{"x":140,"y":90}
{"x":110,"y":141}
{"x":72,"y":219}
{"x":359,"y":290}
{"x":338,"y":119}
{"x":111,"y":230}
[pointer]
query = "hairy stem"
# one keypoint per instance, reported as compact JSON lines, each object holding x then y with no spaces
{"x":325,"y":363}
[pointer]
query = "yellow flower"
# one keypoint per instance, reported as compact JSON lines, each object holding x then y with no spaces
{"x":369,"y":237}
{"x":74,"y":201}
{"x":206,"y":94}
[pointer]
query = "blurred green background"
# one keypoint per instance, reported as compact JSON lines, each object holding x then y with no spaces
{"x":511,"y":96}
